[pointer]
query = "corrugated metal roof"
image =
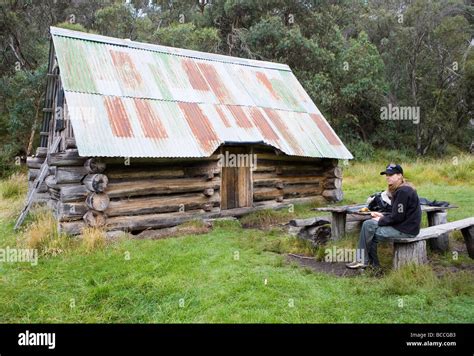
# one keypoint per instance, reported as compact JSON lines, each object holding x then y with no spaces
{"x":130,"y":99}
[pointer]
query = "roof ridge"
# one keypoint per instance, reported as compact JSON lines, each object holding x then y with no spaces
{"x":181,"y":52}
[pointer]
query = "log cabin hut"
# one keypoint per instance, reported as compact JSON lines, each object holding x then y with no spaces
{"x":152,"y":136}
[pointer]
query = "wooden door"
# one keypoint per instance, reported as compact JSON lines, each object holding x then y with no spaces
{"x":236,"y":182}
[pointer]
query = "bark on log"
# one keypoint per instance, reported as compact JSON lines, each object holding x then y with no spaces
{"x":96,"y":182}
{"x":70,"y":174}
{"x":160,"y":186}
{"x":94,"y":218}
{"x":93,"y":165}
{"x":69,"y":157}
{"x":413,"y":252}
{"x":162,"y":204}
{"x":98,"y":201}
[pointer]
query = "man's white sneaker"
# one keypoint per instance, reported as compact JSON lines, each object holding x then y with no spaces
{"x":355,"y":265}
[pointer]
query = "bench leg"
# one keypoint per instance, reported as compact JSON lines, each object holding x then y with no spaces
{"x":468,"y":234}
{"x":413,"y":252}
{"x":338,"y":225}
{"x":441,"y":243}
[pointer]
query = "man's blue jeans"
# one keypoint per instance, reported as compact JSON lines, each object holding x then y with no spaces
{"x":370,"y":234}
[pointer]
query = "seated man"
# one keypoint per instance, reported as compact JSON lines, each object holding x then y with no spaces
{"x":403,"y":221}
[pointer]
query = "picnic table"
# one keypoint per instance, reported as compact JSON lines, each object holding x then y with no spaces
{"x":436,"y":215}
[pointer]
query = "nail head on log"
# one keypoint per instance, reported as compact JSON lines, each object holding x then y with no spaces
{"x":96,"y":182}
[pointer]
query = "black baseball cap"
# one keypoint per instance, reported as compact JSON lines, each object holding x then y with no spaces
{"x":393,"y":168}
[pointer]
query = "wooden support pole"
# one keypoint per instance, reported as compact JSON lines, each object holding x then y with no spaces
{"x":468,"y":234}
{"x":338,"y":225}
{"x":441,"y":243}
{"x":405,"y":253}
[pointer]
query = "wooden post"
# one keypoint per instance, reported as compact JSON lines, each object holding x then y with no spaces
{"x":468,"y":234}
{"x":412,"y":252}
{"x":442,"y":242}
{"x":338,"y":225}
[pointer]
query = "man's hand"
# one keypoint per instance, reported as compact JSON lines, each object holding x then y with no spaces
{"x":376,"y":215}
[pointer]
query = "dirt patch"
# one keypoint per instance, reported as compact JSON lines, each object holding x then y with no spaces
{"x":335,"y":268}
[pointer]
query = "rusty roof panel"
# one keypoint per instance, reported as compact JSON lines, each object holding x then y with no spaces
{"x":132,"y":99}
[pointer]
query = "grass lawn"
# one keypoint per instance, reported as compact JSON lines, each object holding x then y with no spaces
{"x":234,"y":274}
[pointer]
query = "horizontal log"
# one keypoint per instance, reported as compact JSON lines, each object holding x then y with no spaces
{"x":333,"y":195}
{"x":41,"y":152}
{"x":94,"y":165}
{"x":73,"y":193}
{"x":206,"y":170}
{"x":70,"y":174}
{"x":43,"y":188}
{"x":315,"y":221}
{"x":335,"y":172}
{"x":292,"y":191}
{"x":97,"y":201}
{"x":96,"y":182}
{"x":94,"y":218}
{"x":160,"y":186}
{"x":307,"y":160}
{"x":68,"y":157}
{"x":70,"y":211}
{"x":332,"y":183}
{"x":155,"y":221}
{"x":71,"y":228}
{"x":54,"y":193}
{"x":162,"y":204}
{"x":33,"y":173}
{"x":70,"y":142}
{"x":272,"y":180}
{"x":34,"y":162}
{"x":144,"y":173}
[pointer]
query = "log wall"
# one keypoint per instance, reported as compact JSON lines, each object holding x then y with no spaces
{"x":139,"y":194}
{"x":278,"y":177}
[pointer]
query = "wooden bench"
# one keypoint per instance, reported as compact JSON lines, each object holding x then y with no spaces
{"x":435,"y":214}
{"x":413,"y":250}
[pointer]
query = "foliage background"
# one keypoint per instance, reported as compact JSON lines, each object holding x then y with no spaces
{"x":352,"y":56}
